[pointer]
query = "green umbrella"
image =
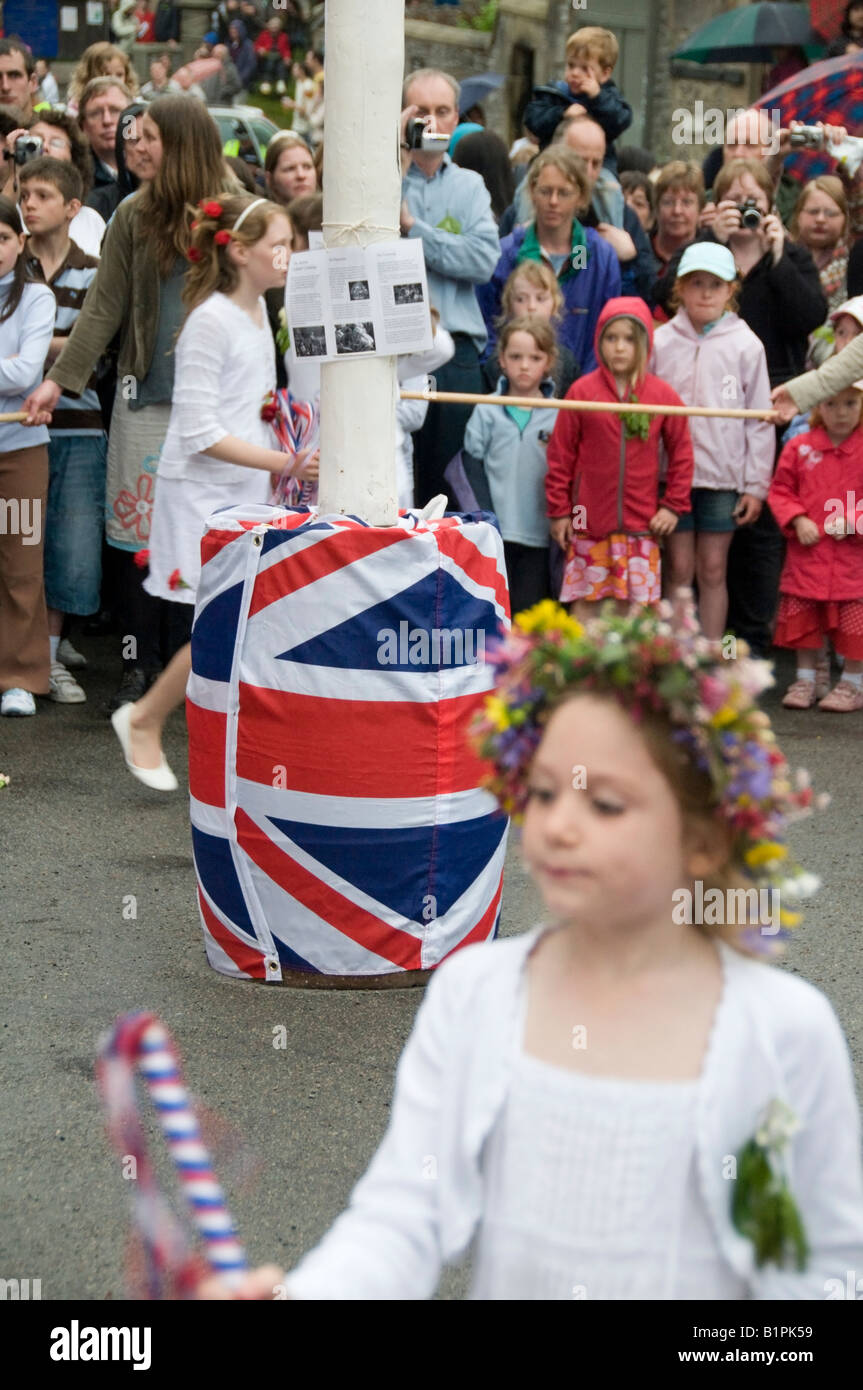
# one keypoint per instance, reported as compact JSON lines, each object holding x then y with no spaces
{"x":750,"y":34}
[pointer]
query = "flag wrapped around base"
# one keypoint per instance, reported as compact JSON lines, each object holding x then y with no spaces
{"x":338,"y":822}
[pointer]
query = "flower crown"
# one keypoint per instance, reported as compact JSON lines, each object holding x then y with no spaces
{"x":657,"y":661}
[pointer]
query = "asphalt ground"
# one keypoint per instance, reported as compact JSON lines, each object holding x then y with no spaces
{"x":293,"y":1128}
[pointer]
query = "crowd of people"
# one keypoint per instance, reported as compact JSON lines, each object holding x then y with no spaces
{"x":142,"y":343}
{"x":570,"y":265}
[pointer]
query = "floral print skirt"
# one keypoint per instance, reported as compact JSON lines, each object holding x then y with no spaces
{"x":617,"y":566}
{"x":134,"y":444}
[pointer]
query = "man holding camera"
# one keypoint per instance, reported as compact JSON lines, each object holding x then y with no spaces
{"x":450,"y":209}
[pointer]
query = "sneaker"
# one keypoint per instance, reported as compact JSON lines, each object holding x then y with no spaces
{"x":133,"y":685}
{"x":799,"y":695}
{"x":74,"y":659}
{"x":17,"y":702}
{"x":280,"y":87}
{"x":65,"y":690}
{"x":265,"y":88}
{"x":843,"y":698}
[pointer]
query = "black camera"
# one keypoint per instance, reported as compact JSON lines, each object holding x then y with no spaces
{"x":27,"y":147}
{"x":419,"y":137}
{"x":750,"y":213}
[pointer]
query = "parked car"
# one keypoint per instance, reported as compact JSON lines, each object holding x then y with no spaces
{"x":245,"y":132}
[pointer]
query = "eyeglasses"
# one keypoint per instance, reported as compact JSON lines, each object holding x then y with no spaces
{"x":58,"y":143}
{"x":564,"y":194}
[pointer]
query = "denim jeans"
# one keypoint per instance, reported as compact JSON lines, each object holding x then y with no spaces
{"x":74,"y":522}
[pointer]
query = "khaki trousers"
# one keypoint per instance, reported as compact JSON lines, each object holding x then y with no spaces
{"x":24,"y":650}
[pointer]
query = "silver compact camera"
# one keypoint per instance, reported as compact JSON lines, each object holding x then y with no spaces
{"x":808,"y":137}
{"x":27,"y":147}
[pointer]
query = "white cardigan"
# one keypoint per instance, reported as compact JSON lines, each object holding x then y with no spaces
{"x":420,"y":1203}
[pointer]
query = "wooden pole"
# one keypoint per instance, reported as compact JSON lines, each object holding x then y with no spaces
{"x":12,"y":417}
{"x":362,"y":196}
{"x":614,"y":407}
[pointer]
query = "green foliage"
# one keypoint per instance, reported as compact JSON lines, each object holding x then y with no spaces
{"x":483,"y":22}
{"x":764,"y":1211}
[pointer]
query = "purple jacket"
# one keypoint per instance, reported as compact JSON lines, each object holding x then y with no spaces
{"x":584,"y":292}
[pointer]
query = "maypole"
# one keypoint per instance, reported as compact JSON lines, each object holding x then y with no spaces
{"x":362,"y":193}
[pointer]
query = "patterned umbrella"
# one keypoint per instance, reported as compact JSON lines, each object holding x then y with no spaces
{"x":831,"y":91}
{"x":750,"y":33}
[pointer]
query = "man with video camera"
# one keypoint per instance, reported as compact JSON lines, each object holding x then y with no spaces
{"x":450,"y":209}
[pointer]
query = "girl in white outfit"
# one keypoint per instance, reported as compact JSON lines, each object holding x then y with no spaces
{"x":623,"y":1104}
{"x":218,"y":451}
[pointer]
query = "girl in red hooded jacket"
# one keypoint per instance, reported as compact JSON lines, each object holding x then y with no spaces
{"x":602,"y":485}
{"x":817,"y":498}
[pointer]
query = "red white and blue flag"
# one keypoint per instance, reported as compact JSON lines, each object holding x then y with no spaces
{"x":337,"y":818}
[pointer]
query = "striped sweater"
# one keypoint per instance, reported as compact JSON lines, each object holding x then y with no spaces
{"x":70,"y":283}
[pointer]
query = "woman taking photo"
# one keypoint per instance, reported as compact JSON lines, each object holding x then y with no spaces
{"x":136,"y":294}
{"x":586,"y":267}
{"x":289,"y":169}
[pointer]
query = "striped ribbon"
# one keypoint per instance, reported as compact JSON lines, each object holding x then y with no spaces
{"x":139,"y":1042}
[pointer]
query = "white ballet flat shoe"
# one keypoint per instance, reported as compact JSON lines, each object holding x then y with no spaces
{"x":161,"y":778}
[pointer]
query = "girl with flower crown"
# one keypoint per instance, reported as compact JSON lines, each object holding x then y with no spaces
{"x":622,"y":1103}
{"x":602,"y":485}
{"x":218,"y":450}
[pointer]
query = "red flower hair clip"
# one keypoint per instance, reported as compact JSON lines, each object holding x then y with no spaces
{"x":210,"y":208}
{"x":222,"y":238}
{"x":193,"y":254}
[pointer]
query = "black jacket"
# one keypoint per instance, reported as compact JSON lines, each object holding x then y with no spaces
{"x":782,"y":304}
{"x":609,"y":108}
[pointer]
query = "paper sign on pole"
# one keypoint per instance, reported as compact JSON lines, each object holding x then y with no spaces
{"x":354,"y":301}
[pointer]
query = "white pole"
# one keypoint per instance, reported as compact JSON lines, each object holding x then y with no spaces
{"x":364,"y":63}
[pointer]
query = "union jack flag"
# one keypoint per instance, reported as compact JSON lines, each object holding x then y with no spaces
{"x":338,"y":822}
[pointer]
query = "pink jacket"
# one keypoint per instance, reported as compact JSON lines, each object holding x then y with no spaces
{"x":725,"y":367}
{"x":823,"y":481}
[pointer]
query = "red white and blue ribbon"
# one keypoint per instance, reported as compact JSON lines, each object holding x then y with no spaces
{"x":297,"y":426}
{"x":140,"y":1043}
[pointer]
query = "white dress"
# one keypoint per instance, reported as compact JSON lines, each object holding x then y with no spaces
{"x":225,"y":367}
{"x":591,"y":1193}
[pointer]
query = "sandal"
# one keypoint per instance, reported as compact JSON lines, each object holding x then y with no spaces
{"x":799,"y":695}
{"x":843,"y":698}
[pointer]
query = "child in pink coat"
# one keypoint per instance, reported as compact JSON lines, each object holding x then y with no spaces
{"x":712,"y":358}
{"x":817,"y":499}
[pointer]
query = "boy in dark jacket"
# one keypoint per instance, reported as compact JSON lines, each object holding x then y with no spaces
{"x":591,"y":54}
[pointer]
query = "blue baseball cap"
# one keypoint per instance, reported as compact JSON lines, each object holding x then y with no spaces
{"x":709,"y":256}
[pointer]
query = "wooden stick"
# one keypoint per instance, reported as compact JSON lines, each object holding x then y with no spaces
{"x":12,"y":417}
{"x":615,"y":407}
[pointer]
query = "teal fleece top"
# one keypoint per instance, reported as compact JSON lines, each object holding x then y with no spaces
{"x":512,"y":451}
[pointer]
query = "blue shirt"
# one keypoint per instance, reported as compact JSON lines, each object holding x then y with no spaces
{"x":460,"y":242}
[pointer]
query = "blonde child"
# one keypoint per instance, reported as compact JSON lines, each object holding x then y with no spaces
{"x":620,"y":1104}
{"x":817,"y":499}
{"x":591,"y":57}
{"x":505,"y":449}
{"x":533,"y":290}
{"x":712,"y":358}
{"x":218,"y":450}
{"x":602,"y":487}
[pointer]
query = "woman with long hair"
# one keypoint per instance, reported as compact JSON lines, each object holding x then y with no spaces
{"x":137,"y":295}
{"x":821,"y":222}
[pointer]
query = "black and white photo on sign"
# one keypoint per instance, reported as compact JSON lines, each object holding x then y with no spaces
{"x":408,"y":294}
{"x":359,"y":289}
{"x":354,"y":337}
{"x":311,"y":342}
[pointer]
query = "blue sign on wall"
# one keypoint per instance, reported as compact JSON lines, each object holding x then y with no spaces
{"x":34,"y":21}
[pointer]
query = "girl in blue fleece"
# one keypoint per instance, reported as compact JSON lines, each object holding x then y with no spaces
{"x":504,"y":456}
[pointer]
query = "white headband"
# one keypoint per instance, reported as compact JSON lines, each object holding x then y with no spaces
{"x":246,"y":210}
